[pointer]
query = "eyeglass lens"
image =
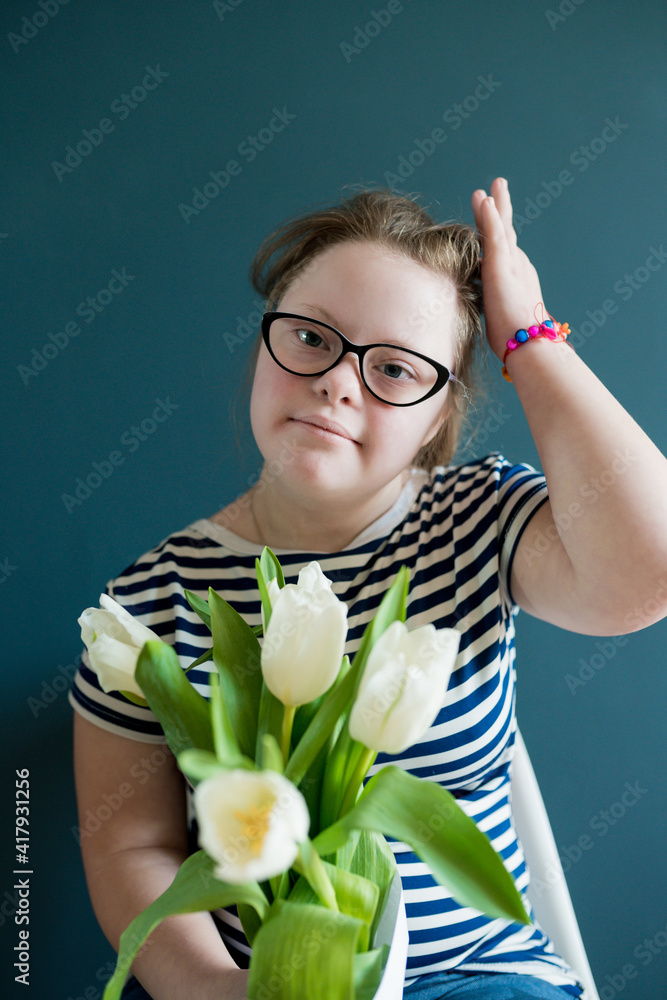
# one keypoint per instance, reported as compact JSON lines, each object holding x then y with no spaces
{"x":394,"y":375}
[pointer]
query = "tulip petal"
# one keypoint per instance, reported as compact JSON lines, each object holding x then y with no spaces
{"x":251,"y":823}
{"x":403,"y":686}
{"x":114,"y":638}
{"x":114,"y":663}
{"x":305,"y":638}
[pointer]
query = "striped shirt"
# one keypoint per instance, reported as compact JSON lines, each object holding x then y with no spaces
{"x":457,"y":529}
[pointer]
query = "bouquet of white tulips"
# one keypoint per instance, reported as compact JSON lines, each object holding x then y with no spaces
{"x":277,"y":759}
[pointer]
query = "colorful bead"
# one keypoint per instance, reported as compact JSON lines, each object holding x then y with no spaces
{"x":549,"y":328}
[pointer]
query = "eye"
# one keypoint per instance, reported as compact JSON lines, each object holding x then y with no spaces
{"x":392,"y":370}
{"x":309,"y":338}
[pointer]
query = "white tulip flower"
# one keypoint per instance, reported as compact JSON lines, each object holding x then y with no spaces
{"x":251,"y":823}
{"x":305,"y":640}
{"x":403,"y":686}
{"x":114,"y":639}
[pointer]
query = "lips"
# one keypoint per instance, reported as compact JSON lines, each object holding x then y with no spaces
{"x":326,"y":425}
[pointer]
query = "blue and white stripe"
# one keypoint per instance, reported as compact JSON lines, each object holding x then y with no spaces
{"x":457,"y":529}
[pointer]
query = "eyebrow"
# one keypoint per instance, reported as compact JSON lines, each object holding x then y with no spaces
{"x":325,"y":312}
{"x":334,"y":322}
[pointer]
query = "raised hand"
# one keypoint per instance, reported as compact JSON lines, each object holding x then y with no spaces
{"x":510,"y":284}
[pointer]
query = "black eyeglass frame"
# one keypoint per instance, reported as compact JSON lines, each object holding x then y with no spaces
{"x":444,"y":374}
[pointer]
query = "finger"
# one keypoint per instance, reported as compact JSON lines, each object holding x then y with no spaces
{"x":501,"y":196}
{"x":493,"y":227}
{"x":477,"y":198}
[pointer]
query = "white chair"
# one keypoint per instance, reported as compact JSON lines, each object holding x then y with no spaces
{"x":548,"y":892}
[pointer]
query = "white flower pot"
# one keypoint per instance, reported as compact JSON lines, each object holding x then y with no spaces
{"x":393,"y":930}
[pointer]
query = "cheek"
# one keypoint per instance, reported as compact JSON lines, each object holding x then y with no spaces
{"x":272,"y":392}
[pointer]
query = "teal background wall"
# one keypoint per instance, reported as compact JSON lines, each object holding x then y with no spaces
{"x":77,"y":377}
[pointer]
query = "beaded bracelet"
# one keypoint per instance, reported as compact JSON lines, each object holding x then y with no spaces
{"x":549,"y":328}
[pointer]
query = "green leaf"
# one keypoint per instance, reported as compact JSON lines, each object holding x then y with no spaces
{"x":199,"y":606}
{"x":263,"y":588}
{"x":270,"y":718}
{"x":236,"y":653}
{"x":428,"y":818}
{"x":224,"y":740}
{"x":194,"y":888}
{"x":356,"y":894}
{"x":368,"y":970}
{"x":333,"y":784}
{"x":271,"y":568}
{"x":180,"y":709}
{"x":199,"y":765}
{"x":300,"y":947}
{"x":250,"y":921}
{"x":367,"y":853}
{"x":134,"y":698}
{"x":321,"y":727}
{"x":310,"y":865}
{"x":208,"y":655}
{"x":270,"y":758}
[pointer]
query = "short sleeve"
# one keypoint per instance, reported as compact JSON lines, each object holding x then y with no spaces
{"x":521,"y":492}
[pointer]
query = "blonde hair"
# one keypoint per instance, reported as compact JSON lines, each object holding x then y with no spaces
{"x":397,"y":224}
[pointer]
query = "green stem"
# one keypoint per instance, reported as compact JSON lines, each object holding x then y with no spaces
{"x":364,"y":764}
{"x":286,"y":732}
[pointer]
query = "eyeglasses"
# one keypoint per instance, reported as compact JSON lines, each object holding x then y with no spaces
{"x":394,"y":375}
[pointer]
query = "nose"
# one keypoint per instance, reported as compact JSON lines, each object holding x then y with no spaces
{"x":343,"y":383}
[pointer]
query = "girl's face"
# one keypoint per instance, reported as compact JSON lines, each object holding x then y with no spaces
{"x":326,"y":436}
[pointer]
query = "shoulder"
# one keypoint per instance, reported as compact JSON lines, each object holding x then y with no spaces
{"x":149,"y":581}
{"x":492,"y":473}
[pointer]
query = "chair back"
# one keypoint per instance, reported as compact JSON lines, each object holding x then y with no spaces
{"x":548,"y":892}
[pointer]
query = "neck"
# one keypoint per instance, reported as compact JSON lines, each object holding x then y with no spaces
{"x":285,"y":521}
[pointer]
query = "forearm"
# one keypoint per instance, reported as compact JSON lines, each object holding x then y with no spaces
{"x":607,"y":481}
{"x":184,"y":956}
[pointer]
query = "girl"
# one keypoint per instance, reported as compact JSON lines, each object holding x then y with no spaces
{"x":356,"y":407}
